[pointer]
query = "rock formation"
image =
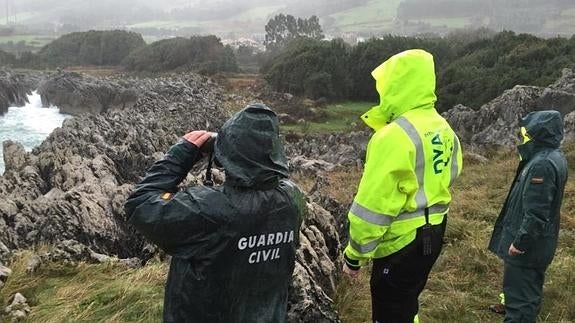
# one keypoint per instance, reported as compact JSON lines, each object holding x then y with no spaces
{"x":75,"y":94}
{"x":14,"y":87}
{"x":497,"y":122}
{"x":69,"y":191}
{"x":338,"y":149}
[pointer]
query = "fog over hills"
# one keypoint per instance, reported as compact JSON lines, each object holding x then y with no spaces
{"x":365,"y":18}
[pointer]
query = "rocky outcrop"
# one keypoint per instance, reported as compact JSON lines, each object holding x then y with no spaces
{"x":14,"y":88}
{"x":18,"y":309}
{"x":73,"y":186}
{"x":75,"y":94}
{"x":69,"y":191}
{"x":497,"y":122}
{"x":5,"y":272}
{"x":317,"y":264}
{"x":560,"y":95}
{"x":339,"y":149}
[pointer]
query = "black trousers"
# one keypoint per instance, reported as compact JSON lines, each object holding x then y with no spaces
{"x":523,"y":288}
{"x":398,"y":279}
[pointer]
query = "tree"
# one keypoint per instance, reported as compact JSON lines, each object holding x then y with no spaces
{"x":311,"y":67}
{"x":203,"y":54}
{"x":93,"y":47}
{"x":283,"y":29}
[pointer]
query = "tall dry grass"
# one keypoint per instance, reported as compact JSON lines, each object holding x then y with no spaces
{"x":467,"y":277}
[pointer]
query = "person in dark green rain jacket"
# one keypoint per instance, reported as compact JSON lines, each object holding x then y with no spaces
{"x":527,"y":229}
{"x":233,"y":247}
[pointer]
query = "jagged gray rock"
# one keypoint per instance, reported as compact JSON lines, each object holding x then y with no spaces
{"x":15,"y":155}
{"x":5,"y":272}
{"x":569,"y":121}
{"x":75,"y":94}
{"x":14,"y":88}
{"x":339,"y":149}
{"x":560,"y":95}
{"x":73,"y":186}
{"x":310,"y":166}
{"x":69,"y":191}
{"x":33,"y":263}
{"x":316,"y":269}
{"x":18,"y":309}
{"x":497,"y":122}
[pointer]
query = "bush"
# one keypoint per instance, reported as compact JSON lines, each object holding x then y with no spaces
{"x":91,"y":48}
{"x":471,"y":72}
{"x":204,"y":54}
{"x":6,"y":59}
{"x":311,"y":67}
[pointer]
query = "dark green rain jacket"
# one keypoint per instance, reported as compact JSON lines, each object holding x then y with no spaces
{"x":530,"y":216}
{"x":233,"y":246}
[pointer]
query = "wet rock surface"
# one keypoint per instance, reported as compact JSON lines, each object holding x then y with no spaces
{"x":14,"y":87}
{"x":497,"y":122}
{"x":75,"y":93}
{"x":69,"y":191}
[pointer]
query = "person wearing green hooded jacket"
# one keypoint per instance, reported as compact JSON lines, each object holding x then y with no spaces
{"x":527,"y":228}
{"x":233,"y":247}
{"x":399,"y":214}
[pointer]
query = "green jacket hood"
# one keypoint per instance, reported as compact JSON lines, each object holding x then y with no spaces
{"x":545,"y":128}
{"x":404,"y":82}
{"x":250,"y":150}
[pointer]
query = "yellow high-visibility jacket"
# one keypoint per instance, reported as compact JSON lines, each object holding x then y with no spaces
{"x":412,"y":159}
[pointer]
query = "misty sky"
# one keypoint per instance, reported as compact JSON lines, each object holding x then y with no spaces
{"x":371,"y":17}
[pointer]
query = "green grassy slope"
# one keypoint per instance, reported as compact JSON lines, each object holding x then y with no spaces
{"x":341,"y":117}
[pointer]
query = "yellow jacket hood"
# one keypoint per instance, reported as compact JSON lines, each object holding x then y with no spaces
{"x":404,"y":82}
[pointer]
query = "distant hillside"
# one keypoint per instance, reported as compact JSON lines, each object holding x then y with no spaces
{"x":232,"y":18}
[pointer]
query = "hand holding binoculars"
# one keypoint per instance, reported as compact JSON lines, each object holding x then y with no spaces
{"x":202,"y":139}
{"x":208,"y":146}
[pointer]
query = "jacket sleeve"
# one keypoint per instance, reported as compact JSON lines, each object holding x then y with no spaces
{"x":538,"y":196}
{"x":387,"y":184}
{"x":156,"y":208}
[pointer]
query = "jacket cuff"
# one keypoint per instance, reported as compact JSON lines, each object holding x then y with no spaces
{"x":351,"y":263}
{"x":521,"y":242}
{"x":186,"y":153}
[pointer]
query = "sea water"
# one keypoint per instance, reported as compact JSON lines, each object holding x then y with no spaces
{"x":29,"y":125}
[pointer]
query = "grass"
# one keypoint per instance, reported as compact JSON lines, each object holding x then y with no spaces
{"x":257,"y":13}
{"x":467,"y":277}
{"x":465,"y":280}
{"x":36,"y":40}
{"x":89,"y":293}
{"x":165,"y":24}
{"x":374,"y":14}
{"x":340,"y":117}
{"x":458,"y":22}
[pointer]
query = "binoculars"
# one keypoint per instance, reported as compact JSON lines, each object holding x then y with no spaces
{"x":208,"y":149}
{"x":208,"y":146}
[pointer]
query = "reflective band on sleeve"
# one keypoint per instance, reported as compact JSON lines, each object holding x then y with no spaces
{"x":454,"y":164}
{"x":369,"y":216}
{"x":438,"y":208}
{"x":386,"y":220}
{"x":364,"y":248}
{"x":410,"y":130}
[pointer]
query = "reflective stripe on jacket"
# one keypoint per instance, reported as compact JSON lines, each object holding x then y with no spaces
{"x":412,"y":159}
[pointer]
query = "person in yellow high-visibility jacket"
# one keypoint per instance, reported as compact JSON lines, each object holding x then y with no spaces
{"x":398,"y":216}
